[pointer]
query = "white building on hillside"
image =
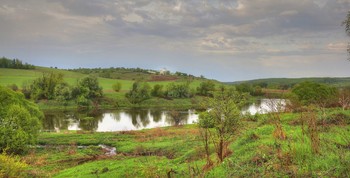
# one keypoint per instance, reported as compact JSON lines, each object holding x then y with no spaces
{"x":163,"y":71}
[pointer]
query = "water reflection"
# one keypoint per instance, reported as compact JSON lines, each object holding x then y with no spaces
{"x":265,"y":106}
{"x":115,"y":120}
{"x":130,"y":119}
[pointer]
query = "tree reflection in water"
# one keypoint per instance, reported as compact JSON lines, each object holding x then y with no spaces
{"x":139,"y":117}
{"x":157,"y":115}
{"x":89,"y":120}
{"x":55,"y":121}
{"x":176,"y":118}
{"x":128,"y":119}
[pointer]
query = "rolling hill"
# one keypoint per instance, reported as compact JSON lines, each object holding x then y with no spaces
{"x":276,"y":82}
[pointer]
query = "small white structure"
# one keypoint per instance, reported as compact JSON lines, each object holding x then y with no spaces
{"x":163,"y":71}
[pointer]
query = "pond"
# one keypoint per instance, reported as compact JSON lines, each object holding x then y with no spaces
{"x":130,"y":119}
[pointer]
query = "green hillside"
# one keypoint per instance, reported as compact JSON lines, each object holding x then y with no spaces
{"x":21,"y":76}
{"x":277,"y":82}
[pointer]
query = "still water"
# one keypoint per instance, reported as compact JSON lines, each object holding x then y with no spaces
{"x":130,"y":119}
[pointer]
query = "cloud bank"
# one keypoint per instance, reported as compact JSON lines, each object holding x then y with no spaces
{"x":227,"y":40}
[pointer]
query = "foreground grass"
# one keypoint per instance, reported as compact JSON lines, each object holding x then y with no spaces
{"x":178,"y":152}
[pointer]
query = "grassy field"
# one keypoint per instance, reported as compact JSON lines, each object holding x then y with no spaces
{"x":20,"y":76}
{"x":178,"y":152}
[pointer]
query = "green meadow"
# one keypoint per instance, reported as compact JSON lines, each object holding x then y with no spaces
{"x":178,"y":152}
{"x":115,"y":99}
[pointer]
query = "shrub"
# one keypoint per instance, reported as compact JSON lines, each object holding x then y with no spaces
{"x":13,"y":87}
{"x":11,"y":166}
{"x":19,"y":121}
{"x":117,"y":87}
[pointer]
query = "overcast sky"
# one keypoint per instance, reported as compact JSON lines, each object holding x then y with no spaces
{"x":227,"y":40}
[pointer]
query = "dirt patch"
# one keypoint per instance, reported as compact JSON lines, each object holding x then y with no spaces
{"x":155,"y":78}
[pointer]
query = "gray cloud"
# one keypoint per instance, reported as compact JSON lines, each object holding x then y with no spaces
{"x":220,"y":39}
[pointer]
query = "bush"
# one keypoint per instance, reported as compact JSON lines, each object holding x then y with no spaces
{"x":11,"y":166}
{"x":13,"y":87}
{"x":19,"y":121}
{"x":117,"y":87}
{"x":179,"y":91}
{"x":157,"y":91}
{"x":206,"y":88}
{"x":138,"y":93}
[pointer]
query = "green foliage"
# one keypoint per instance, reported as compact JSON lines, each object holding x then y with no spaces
{"x":117,"y":86}
{"x":206,"y":120}
{"x":19,"y":121}
{"x":89,"y":87}
{"x":87,"y":91}
{"x":118,"y":73}
{"x":287,"y":83}
{"x":224,"y":116}
{"x":138,"y":93}
{"x":13,"y":87}
{"x":14,"y":64}
{"x":44,"y":86}
{"x":63,"y":93}
{"x":157,"y":91}
{"x":254,"y":90}
{"x":206,"y":88}
{"x":314,"y":93}
{"x":181,"y":90}
{"x":11,"y":166}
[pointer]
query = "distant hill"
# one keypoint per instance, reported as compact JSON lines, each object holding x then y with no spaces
{"x":280,"y":83}
{"x":134,"y":74}
{"x":125,"y":76}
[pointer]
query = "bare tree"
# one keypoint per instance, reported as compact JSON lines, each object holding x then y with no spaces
{"x":344,"y":98}
{"x":276,"y":107}
{"x":225,"y":115}
{"x":346,"y":23}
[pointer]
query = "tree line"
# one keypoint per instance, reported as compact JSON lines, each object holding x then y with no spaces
{"x":51,"y":86}
{"x":141,"y":91}
{"x":14,"y":64}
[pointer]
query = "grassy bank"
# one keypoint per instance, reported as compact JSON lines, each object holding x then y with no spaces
{"x":178,"y":152}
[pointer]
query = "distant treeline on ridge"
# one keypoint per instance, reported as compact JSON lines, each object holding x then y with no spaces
{"x":14,"y":64}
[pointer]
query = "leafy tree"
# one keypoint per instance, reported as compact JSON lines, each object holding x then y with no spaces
{"x":63,"y":93}
{"x":245,"y":88}
{"x":117,"y":87}
{"x":346,"y":23}
{"x":224,"y":116}
{"x":44,"y":86}
{"x":257,"y":91}
{"x":14,"y":64}
{"x":19,"y":121}
{"x":178,"y":90}
{"x":87,"y":91}
{"x":138,"y":93}
{"x":90,"y":87}
{"x":205,"y":123}
{"x":206,"y":88}
{"x":314,"y":93}
{"x":157,"y":91}
{"x":311,"y":93}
